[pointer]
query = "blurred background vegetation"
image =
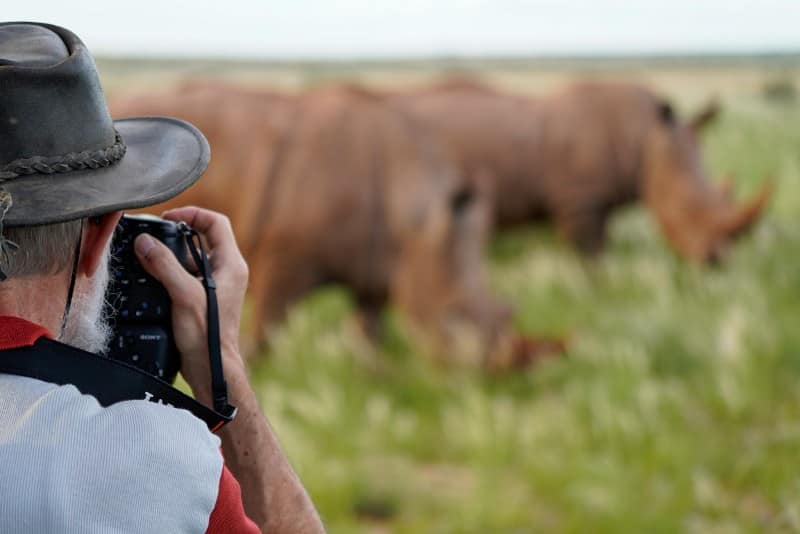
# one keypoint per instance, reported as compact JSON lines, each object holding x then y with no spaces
{"x":677,"y":407}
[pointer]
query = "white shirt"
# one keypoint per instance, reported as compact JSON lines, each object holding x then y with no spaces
{"x":68,"y":464}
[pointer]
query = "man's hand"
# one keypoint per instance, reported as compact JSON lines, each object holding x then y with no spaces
{"x":188,"y":297}
{"x":272,"y":494}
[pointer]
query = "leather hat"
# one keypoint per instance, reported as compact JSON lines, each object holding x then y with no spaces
{"x":62,"y":157}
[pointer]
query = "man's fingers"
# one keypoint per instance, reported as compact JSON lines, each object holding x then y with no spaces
{"x":214,"y":226}
{"x":161,"y":264}
{"x":218,"y":233}
{"x":190,"y":264}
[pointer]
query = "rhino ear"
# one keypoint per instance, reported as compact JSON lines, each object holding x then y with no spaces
{"x":705,"y":116}
{"x":461,"y":199}
{"x":666,"y":113}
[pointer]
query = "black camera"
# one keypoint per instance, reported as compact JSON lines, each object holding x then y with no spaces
{"x":137,"y":304}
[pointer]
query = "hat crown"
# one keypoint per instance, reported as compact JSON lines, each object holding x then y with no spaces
{"x":27,"y":45}
{"x":61,"y":155}
{"x":52,"y":103}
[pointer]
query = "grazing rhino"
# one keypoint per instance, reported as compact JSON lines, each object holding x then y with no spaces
{"x":244,"y":128}
{"x":577,"y":155}
{"x":337,"y":187}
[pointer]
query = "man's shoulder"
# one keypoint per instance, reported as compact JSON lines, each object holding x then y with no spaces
{"x":102,"y":460}
{"x":44,"y":406}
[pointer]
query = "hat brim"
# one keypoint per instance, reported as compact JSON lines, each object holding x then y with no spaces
{"x":164,"y":156}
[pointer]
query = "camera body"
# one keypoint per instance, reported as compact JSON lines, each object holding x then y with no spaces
{"x":137,"y":304}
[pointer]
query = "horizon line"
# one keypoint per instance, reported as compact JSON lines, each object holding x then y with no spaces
{"x":691,"y":55}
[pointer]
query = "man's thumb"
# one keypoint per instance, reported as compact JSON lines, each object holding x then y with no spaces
{"x":144,"y":245}
{"x":161,"y":264}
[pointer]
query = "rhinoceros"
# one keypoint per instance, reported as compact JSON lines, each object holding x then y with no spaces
{"x":575,"y":156}
{"x":333,"y":186}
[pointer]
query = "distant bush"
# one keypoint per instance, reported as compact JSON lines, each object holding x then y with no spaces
{"x":780,"y":90}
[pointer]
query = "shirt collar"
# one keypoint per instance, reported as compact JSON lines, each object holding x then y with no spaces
{"x":17,"y":332}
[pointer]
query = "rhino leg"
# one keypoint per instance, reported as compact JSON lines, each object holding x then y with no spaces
{"x":275,"y":285}
{"x":370,"y":317}
{"x":586,"y":229}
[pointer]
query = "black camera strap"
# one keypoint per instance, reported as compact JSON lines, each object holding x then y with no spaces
{"x":219,"y":389}
{"x":108,"y":380}
{"x":72,"y":279}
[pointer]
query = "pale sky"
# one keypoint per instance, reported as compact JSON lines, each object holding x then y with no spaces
{"x":413,"y":28}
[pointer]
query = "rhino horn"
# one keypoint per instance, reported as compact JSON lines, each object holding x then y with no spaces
{"x":747,"y":214}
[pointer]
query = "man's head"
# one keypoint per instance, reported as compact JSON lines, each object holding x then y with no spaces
{"x":45,"y":257}
{"x":49,"y":252}
{"x":66,"y":169}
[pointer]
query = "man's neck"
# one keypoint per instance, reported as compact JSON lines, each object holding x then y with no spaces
{"x":39,"y":299}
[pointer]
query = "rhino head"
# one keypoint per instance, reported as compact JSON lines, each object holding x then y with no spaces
{"x":441,"y":280}
{"x":699,"y":217}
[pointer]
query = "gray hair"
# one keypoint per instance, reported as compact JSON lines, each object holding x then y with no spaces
{"x":42,"y":250}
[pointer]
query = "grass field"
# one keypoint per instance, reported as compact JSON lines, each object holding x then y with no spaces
{"x":676,"y":410}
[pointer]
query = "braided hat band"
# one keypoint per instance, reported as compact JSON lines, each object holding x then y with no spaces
{"x":73,"y":161}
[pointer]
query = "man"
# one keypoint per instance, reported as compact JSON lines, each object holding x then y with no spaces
{"x":68,"y":464}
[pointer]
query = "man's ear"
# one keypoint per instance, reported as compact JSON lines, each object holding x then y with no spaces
{"x":97,"y":232}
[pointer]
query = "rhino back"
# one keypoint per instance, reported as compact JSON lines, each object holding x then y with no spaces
{"x":244,"y":129}
{"x":591,"y":149}
{"x":581,"y":147}
{"x":353,"y":175}
{"x":486,"y":131}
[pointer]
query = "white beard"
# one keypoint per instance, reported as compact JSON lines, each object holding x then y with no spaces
{"x":87,"y":326}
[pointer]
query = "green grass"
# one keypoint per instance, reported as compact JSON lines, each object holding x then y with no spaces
{"x":677,"y":408}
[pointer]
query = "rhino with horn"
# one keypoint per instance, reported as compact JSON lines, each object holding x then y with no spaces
{"x":575,"y":156}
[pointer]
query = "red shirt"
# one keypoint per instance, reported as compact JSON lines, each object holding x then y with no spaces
{"x":228,"y":515}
